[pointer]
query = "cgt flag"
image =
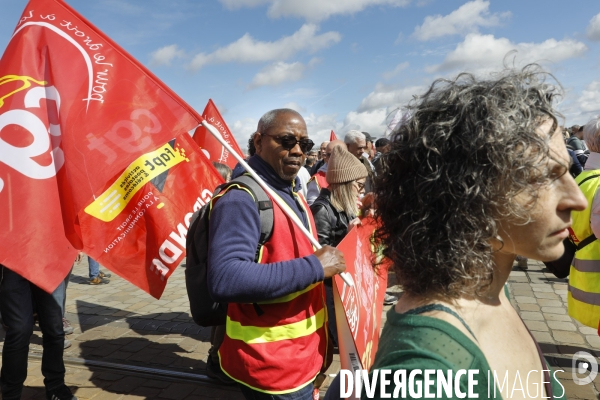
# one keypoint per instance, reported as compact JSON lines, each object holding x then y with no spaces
{"x":211,"y":147}
{"x":332,"y":136}
{"x":79,"y":116}
{"x":137,"y":227}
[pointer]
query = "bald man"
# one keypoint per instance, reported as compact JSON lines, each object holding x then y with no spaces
{"x":275,"y":340}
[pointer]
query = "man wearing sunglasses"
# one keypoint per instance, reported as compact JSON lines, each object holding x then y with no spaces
{"x":275,"y":342}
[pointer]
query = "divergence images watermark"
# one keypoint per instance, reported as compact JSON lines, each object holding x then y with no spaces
{"x":584,"y":363}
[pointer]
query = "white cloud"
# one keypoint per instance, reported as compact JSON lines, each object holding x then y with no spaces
{"x":319,"y":127}
{"x":165,"y":55}
{"x":368,"y":121}
{"x":248,"y":50}
{"x":466,"y":19}
{"x":388,"y":97}
{"x":278,"y":73}
{"x":294,"y":106}
{"x":593,"y":29}
{"x":589,"y":101}
{"x":484,"y":53}
{"x":242,"y":129}
{"x":399,"y":68}
{"x":313,"y":10}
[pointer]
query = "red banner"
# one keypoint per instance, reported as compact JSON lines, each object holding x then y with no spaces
{"x":137,"y":227}
{"x":211,"y":147}
{"x":359,"y":307}
{"x":332,"y":136}
{"x":75,"y":111}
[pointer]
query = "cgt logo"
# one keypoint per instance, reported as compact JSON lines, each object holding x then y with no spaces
{"x":19,"y":151}
{"x":584,"y":363}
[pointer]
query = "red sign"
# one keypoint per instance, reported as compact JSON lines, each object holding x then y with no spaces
{"x":359,"y":307}
{"x":332,"y":136}
{"x":211,"y":147}
{"x":75,"y":111}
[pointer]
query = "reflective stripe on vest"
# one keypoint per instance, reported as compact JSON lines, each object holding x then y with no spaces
{"x":256,"y":334}
{"x":584,"y":281}
{"x":585,"y":297}
{"x":586,"y":265}
{"x":278,"y":346}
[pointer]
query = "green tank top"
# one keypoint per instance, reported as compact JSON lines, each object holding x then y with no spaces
{"x":410,"y":342}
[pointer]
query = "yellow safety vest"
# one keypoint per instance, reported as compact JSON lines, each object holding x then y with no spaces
{"x":584,"y":278}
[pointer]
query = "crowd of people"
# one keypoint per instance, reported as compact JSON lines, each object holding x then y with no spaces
{"x":480,"y":172}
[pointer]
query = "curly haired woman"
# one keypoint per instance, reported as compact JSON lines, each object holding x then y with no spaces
{"x":477,"y":175}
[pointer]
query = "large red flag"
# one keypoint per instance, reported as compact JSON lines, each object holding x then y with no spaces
{"x":75,"y":111}
{"x":332,"y":136}
{"x":211,"y":146}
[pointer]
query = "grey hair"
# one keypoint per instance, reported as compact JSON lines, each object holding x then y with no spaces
{"x":591,"y":134}
{"x":455,"y":172}
{"x":266,"y":121}
{"x":354,"y":136}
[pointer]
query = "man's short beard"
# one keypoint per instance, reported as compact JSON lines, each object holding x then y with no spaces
{"x":290,"y":178}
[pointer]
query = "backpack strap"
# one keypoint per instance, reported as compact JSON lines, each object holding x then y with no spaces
{"x":263,"y":203}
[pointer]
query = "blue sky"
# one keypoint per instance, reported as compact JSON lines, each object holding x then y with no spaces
{"x":344,"y":64}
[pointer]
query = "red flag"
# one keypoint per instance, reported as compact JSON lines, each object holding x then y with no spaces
{"x":75,"y":111}
{"x":137,"y":227}
{"x":211,"y":147}
{"x":332,"y":136}
{"x":359,"y":307}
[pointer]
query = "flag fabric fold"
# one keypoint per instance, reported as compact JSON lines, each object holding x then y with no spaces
{"x":211,"y":147}
{"x":78,"y":115}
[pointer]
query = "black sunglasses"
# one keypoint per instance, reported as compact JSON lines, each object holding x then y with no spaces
{"x":288,"y":142}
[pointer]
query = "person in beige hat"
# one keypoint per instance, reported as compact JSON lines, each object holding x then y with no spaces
{"x":335,"y":210}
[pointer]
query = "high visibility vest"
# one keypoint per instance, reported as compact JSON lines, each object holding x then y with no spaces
{"x":320,"y":178}
{"x":584,"y":277}
{"x":278,"y":346}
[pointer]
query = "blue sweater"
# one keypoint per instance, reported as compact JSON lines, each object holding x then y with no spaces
{"x":233,"y":275}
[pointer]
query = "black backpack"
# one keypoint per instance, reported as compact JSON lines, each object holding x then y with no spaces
{"x":205,"y":311}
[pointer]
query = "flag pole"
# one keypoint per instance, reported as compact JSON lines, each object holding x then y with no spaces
{"x":269,"y":191}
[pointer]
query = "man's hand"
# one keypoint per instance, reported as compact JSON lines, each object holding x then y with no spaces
{"x":332,"y":260}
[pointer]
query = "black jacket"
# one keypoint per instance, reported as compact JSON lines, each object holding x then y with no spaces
{"x":332,"y":225}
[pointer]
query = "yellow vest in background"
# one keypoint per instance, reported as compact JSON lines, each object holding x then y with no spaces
{"x":584,"y":278}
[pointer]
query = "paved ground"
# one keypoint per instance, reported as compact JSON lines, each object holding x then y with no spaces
{"x":118,"y":323}
{"x":541,"y":300}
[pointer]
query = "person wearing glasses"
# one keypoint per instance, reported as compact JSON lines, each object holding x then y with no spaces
{"x":335,"y":210}
{"x":275,"y":341}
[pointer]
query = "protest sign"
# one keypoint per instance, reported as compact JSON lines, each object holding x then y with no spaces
{"x":211,"y":147}
{"x":358,"y":308}
{"x":76,"y":111}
